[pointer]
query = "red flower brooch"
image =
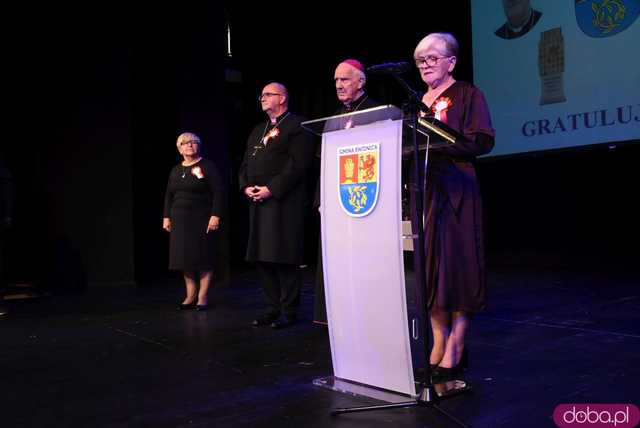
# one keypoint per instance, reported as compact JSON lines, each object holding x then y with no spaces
{"x":197,"y":171}
{"x":271,"y":134}
{"x":440,"y":108}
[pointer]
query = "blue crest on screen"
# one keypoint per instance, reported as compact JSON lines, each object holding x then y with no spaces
{"x":606,"y":18}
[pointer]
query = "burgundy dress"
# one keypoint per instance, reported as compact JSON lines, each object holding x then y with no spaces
{"x":455,"y":272}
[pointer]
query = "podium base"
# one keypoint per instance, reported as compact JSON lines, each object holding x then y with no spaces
{"x":427,"y":396}
{"x":361,"y":390}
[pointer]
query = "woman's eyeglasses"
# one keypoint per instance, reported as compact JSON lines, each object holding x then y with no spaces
{"x":429,"y":61}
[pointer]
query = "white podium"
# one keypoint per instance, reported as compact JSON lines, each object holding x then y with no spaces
{"x":362,"y":250}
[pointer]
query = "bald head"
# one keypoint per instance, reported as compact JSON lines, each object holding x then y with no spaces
{"x":274,"y":99}
{"x":277,"y":88}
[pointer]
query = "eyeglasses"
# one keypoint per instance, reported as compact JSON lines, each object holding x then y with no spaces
{"x":191,"y":142}
{"x":429,"y":61}
{"x":267,"y":95}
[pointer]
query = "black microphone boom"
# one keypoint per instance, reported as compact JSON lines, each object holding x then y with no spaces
{"x":390,"y":67}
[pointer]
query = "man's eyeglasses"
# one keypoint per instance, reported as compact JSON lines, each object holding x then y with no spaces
{"x":267,"y":95}
{"x":191,"y":142}
{"x":429,"y":61}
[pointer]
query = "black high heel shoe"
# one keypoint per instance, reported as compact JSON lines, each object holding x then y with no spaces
{"x":446,"y":374}
{"x":419,"y":372}
{"x":443,"y":374}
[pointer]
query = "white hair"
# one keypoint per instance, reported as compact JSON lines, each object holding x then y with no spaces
{"x":450,"y":43}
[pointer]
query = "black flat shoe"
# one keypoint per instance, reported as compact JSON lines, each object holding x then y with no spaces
{"x":187,"y":306}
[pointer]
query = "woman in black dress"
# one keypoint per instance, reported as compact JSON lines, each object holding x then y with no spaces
{"x":192,"y":209}
{"x":454,"y":265}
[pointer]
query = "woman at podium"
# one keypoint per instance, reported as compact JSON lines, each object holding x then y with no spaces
{"x":454,"y":264}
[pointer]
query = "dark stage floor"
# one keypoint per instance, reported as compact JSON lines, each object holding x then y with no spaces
{"x":122,"y":357}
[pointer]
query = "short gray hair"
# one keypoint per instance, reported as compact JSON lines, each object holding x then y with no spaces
{"x":449,"y":41}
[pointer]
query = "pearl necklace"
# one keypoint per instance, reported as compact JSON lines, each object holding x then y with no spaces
{"x":185,"y":167}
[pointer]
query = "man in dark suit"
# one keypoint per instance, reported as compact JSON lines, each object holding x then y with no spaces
{"x":6,"y":219}
{"x":272,"y":177}
{"x":521,"y":18}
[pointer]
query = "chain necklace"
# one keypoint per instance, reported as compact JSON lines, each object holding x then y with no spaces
{"x":356,"y":107}
{"x":262,"y":142}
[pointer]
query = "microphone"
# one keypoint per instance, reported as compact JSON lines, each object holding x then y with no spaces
{"x":390,"y":67}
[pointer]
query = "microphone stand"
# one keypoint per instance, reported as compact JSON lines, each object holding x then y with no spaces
{"x":427,"y":395}
{"x":413,"y":106}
